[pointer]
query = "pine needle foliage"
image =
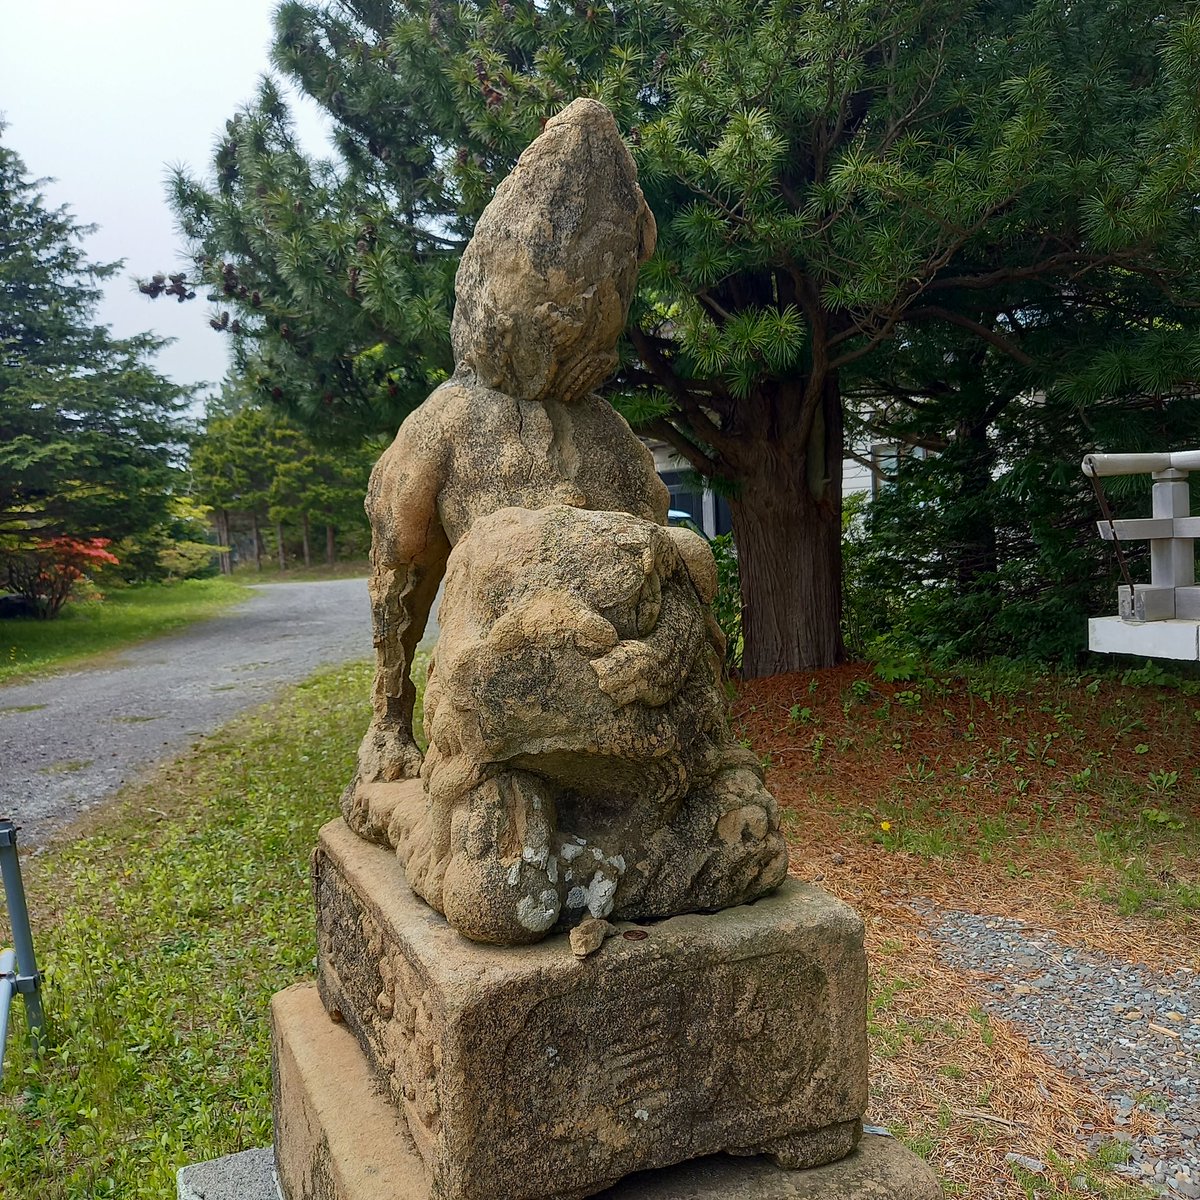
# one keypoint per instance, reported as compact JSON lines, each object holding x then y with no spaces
{"x":830,"y":182}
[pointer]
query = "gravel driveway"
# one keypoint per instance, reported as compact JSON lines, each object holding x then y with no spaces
{"x":70,"y":740}
{"x":1132,"y":1034}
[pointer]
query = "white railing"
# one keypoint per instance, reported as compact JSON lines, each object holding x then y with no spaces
{"x":1171,"y":600}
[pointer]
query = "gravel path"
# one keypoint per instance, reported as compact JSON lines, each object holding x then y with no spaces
{"x":1132,"y":1034}
{"x":68,"y":741}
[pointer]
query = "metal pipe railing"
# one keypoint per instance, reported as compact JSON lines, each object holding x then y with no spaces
{"x":8,"y":988}
{"x":1140,"y":464}
{"x":18,"y":967}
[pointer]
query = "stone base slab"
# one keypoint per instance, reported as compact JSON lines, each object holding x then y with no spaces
{"x":524,"y":1072}
{"x":249,"y":1175}
{"x":338,"y":1138}
{"x":1154,"y":639}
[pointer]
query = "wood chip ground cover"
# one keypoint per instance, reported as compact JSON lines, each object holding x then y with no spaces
{"x":1046,"y":799}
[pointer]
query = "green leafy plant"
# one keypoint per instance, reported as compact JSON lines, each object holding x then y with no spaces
{"x":727,"y":605}
{"x":1162,"y":783}
{"x":1159,"y":818}
{"x":895,"y":659}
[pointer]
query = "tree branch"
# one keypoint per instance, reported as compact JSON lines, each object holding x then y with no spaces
{"x":661,"y":369}
{"x":990,"y":336}
{"x":703,"y":463}
{"x":1048,"y":266}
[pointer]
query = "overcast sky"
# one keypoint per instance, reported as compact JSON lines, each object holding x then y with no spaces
{"x":104,"y":96}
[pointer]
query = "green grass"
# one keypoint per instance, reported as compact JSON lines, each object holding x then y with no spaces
{"x":163,"y":934}
{"x":350,"y":568}
{"x":85,"y":629}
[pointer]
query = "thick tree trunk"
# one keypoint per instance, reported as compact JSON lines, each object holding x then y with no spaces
{"x":279,"y":545}
{"x":787,"y":525}
{"x":226,"y":562}
{"x":307,"y":545}
{"x":258,"y":542}
{"x":330,"y":546}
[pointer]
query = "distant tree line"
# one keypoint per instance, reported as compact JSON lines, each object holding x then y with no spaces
{"x":260,"y":473}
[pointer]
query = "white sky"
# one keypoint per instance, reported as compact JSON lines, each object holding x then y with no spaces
{"x":103,"y":96}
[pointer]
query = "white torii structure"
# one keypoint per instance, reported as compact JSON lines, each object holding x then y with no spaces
{"x":1159,"y":619}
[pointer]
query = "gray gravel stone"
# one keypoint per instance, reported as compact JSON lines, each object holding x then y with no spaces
{"x":246,"y":1176}
{"x":1095,"y":1016}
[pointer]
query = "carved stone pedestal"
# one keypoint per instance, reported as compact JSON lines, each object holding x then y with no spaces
{"x":526,"y":1073}
{"x":338,"y":1138}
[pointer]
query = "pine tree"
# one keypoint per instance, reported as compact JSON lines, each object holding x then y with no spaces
{"x":91,"y":436}
{"x":827,"y":179}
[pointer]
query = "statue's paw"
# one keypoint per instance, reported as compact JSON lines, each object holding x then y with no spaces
{"x":552,"y":619}
{"x":503,"y":903}
{"x":749,"y":855}
{"x":625,"y":672}
{"x":403,"y":760}
{"x":740,"y":787}
{"x":740,"y":826}
{"x":591,"y":633}
{"x":387,"y":755}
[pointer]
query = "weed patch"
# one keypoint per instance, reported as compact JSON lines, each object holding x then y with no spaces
{"x":164,"y":930}
{"x":1089,"y":784}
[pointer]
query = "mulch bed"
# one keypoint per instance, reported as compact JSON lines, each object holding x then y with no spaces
{"x":851,"y":756}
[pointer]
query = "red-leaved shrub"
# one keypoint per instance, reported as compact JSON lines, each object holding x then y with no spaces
{"x":45,"y":574}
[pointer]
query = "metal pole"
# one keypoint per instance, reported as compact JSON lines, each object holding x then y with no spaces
{"x":8,"y":981}
{"x":28,"y":981}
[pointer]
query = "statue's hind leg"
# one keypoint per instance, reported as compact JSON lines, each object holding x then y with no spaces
{"x":501,"y":882}
{"x":722,"y":847}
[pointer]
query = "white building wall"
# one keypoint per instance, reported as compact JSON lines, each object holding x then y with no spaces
{"x":856,"y":477}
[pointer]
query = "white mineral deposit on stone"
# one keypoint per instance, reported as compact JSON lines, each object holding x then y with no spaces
{"x":538,"y":913}
{"x":600,"y":894}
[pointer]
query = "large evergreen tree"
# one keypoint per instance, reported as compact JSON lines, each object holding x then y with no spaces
{"x":91,"y":436}
{"x":828,"y":180}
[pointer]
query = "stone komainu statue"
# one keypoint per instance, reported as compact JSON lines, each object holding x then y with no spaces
{"x":580,"y":761}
